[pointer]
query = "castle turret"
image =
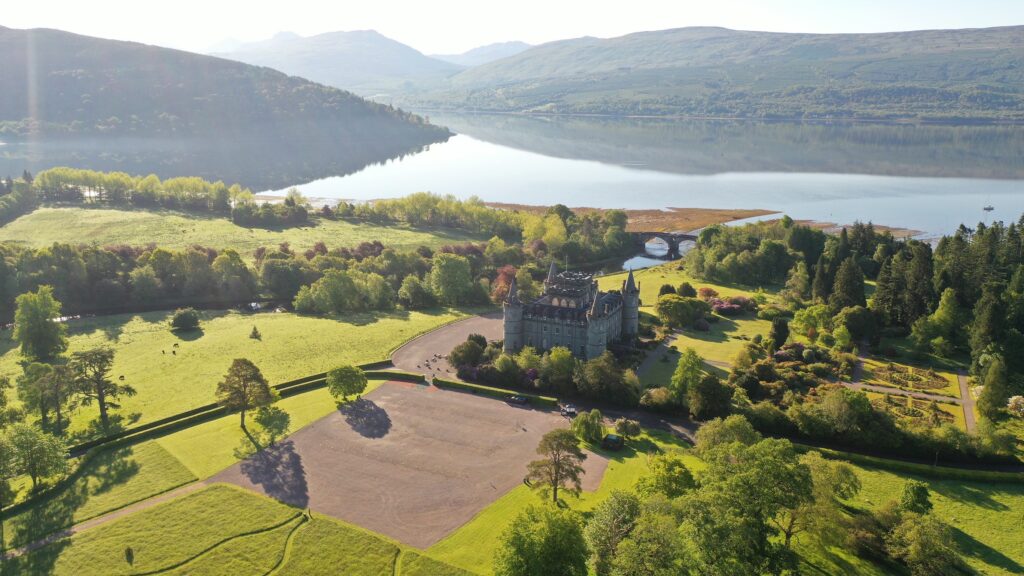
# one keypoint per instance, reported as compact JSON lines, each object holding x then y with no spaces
{"x":630,"y":308}
{"x":513,"y":312}
{"x":597,"y":329}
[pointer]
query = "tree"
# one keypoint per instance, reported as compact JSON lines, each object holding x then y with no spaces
{"x":925,"y":545}
{"x":611,"y":522}
{"x":709,"y":398}
{"x":8,"y":414}
{"x":185,"y":319}
{"x":686,"y":290}
{"x":560,"y":467}
{"x":718,"y":432}
{"x":666,"y":289}
{"x":668,"y":476}
{"x":8,"y":472}
{"x":798,"y":285}
{"x":35,"y":329}
{"x":779,"y":331}
{"x":244,"y":388}
{"x":915,"y":498}
{"x":651,"y":549}
{"x":467,"y":353}
{"x":36,"y":453}
{"x":589,"y":426}
{"x":413,"y":295}
{"x":822,"y":513}
{"x":346,"y":380}
{"x":689,"y":371}
{"x":451,"y":279}
{"x":996,"y":391}
{"x":627,"y":428}
{"x":542,"y":540}
{"x":92,"y":383}
{"x":557,"y":369}
{"x":848,"y":288}
{"x":989,"y":318}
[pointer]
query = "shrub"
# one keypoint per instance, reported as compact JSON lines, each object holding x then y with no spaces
{"x":707,"y":293}
{"x":627,"y":428}
{"x":466,"y":354}
{"x":255,"y":334}
{"x":1015,"y":406}
{"x":658,"y":399}
{"x":666,"y":289}
{"x":686,"y":290}
{"x":185,"y":319}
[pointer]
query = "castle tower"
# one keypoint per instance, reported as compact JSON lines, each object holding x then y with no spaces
{"x":630,"y":308}
{"x":597,"y":330}
{"x":512,"y":308}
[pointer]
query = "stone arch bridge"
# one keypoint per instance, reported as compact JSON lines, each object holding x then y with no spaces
{"x":673,"y":239}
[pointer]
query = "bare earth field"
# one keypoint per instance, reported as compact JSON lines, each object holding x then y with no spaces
{"x":409,"y":461}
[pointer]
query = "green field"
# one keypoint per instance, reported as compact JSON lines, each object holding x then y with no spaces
{"x":651,"y":279}
{"x":173,"y":372}
{"x":223,"y":530}
{"x":177,"y":230}
{"x":113,"y":479}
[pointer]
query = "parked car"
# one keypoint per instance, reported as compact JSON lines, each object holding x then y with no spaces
{"x":568,"y":410}
{"x":519,"y":400}
{"x":612,"y":442}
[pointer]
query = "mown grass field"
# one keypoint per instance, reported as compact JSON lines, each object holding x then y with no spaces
{"x":173,"y":372}
{"x":122,"y":476}
{"x":111,"y":480}
{"x":226,"y":531}
{"x":651,"y":279}
{"x":177,"y":230}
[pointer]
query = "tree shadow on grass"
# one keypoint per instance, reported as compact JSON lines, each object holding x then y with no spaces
{"x":969,"y":546}
{"x":279,"y":471}
{"x":366,"y":418}
{"x":969,"y":494}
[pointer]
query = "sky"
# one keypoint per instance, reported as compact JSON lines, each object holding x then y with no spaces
{"x":454,"y":26}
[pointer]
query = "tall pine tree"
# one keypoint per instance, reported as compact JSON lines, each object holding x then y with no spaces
{"x":848,"y":289}
{"x":820,"y":288}
{"x":989,"y":315}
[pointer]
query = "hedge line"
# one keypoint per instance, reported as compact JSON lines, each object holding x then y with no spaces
{"x":210,"y":411}
{"x":495,"y":392}
{"x":936,"y":472}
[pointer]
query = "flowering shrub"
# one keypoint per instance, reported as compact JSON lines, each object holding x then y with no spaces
{"x":707,"y":293}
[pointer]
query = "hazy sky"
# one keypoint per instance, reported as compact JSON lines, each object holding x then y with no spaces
{"x":441,"y":26}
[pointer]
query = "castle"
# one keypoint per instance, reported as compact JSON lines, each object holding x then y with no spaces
{"x":572,"y":313}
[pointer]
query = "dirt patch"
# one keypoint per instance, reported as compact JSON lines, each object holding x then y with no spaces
{"x":409,"y":461}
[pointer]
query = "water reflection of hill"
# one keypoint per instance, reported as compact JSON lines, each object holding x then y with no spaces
{"x":259,"y":162}
{"x":713,"y":146}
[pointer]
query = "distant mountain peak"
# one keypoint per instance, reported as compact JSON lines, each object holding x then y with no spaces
{"x":485,"y":54}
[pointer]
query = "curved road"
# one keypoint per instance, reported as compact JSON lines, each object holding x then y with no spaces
{"x":426,"y":354}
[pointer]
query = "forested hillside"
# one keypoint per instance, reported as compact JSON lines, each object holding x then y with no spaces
{"x":939,"y":74}
{"x":58,"y":83}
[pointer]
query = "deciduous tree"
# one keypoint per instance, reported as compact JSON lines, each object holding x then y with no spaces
{"x":611,"y":522}
{"x":560,"y":467}
{"x":35,"y":329}
{"x":345,"y":381}
{"x":36,"y":454}
{"x":542,"y":540}
{"x":244,"y":388}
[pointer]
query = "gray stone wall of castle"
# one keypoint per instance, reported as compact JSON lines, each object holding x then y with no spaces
{"x":572,"y":313}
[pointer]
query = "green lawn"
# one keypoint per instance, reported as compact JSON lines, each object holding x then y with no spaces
{"x":173,"y":372}
{"x":651,"y":279}
{"x":223,"y":530}
{"x":111,"y":480}
{"x":177,"y":230}
{"x":725,"y":338}
{"x":986,"y":517}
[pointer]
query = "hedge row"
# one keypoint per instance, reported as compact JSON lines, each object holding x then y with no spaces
{"x":936,"y":472}
{"x":503,"y":394}
{"x":210,"y":411}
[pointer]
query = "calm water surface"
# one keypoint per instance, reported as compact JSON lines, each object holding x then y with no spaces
{"x":766,"y":171}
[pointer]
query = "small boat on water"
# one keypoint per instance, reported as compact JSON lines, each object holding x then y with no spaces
{"x":988,"y":208}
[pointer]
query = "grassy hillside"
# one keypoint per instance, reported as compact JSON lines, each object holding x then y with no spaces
{"x":174,"y":230}
{"x":91,"y":86}
{"x":950,"y":74}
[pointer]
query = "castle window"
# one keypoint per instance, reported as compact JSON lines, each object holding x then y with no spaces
{"x":557,"y":330}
